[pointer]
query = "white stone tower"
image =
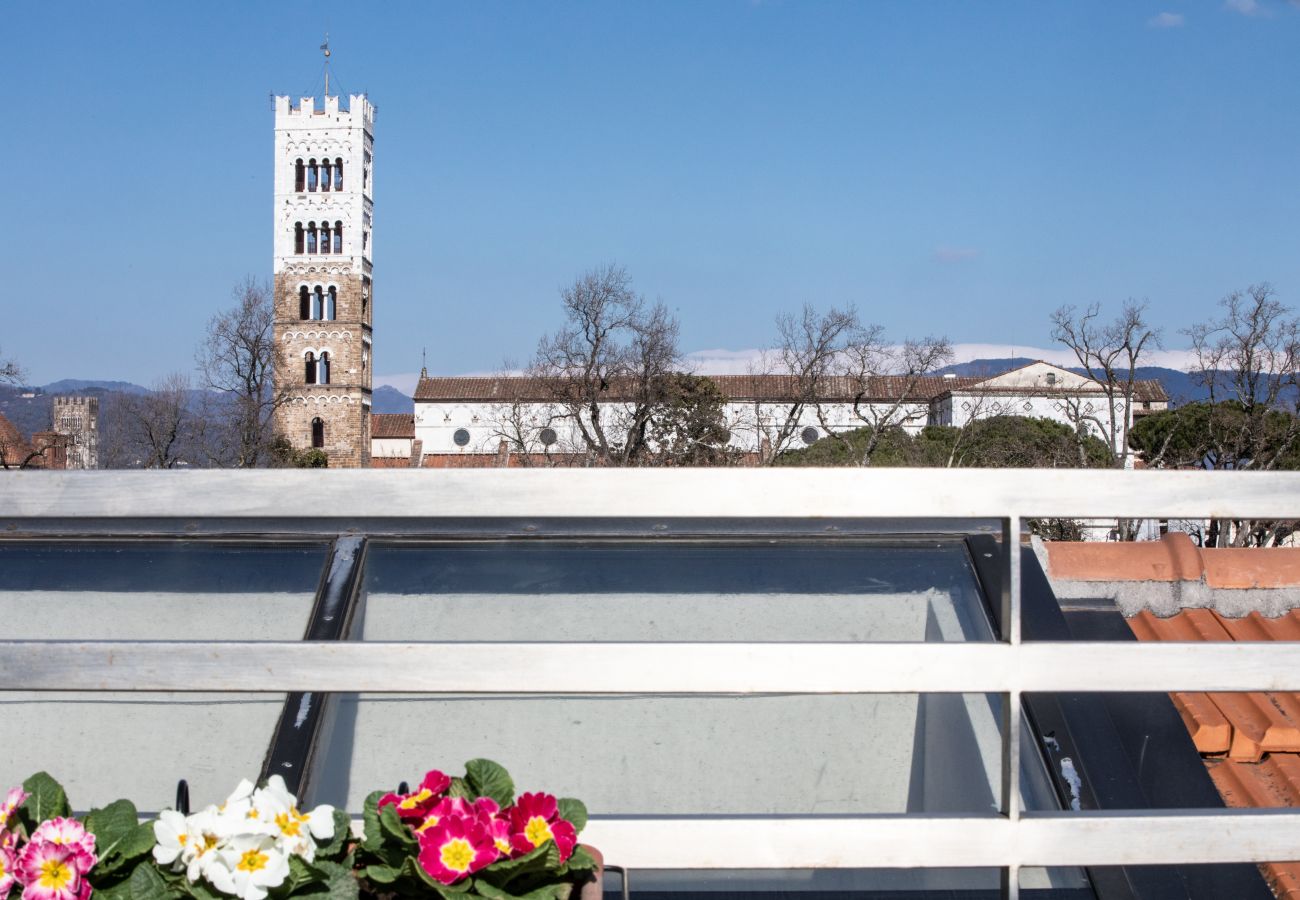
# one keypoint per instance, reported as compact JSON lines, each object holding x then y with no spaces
{"x":324,"y":204}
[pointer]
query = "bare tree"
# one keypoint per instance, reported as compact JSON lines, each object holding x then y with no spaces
{"x":1249,"y":363}
{"x":605,"y":370}
{"x":10,"y":371}
{"x":871,"y":361}
{"x":236,"y":360}
{"x":1110,"y":354}
{"x":153,"y":430}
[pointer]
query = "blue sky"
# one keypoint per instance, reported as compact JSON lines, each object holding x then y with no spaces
{"x":948,"y":167}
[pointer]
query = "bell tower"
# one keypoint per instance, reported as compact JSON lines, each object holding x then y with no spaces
{"x":324,"y":204}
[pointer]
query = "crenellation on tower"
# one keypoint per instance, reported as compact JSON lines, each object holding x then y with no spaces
{"x":323,"y":246}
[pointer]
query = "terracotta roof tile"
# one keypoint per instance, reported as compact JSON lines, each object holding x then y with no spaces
{"x":392,"y":425}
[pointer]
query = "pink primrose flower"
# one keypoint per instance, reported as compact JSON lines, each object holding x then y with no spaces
{"x":50,"y":871}
{"x":12,"y":801}
{"x":456,"y":847}
{"x":416,"y":805}
{"x":534,"y":820}
{"x":8,"y":869}
{"x":67,"y":832}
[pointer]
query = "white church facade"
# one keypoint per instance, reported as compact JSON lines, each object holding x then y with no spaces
{"x":513,"y":420}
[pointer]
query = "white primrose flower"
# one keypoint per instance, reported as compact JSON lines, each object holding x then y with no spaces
{"x":296,"y":832}
{"x":254,"y":864}
{"x":172,"y":833}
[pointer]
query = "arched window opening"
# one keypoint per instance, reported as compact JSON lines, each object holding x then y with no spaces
{"x":317,"y":303}
{"x":338,"y":237}
{"x":324,"y":237}
{"x":311,"y":237}
{"x":312,"y":175}
{"x":309,"y":368}
{"x":297,"y":237}
{"x":304,"y":303}
{"x":338,"y":174}
{"x":323,"y":369}
{"x":299,"y":176}
{"x":326,"y":175}
{"x":317,"y":434}
{"x":365,"y":357}
{"x":331,"y":304}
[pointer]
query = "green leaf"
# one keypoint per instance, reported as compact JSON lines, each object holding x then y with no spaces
{"x":391,"y":825}
{"x":534,"y":860}
{"x":460,"y":789}
{"x":301,"y":874}
{"x":370,"y":821}
{"x":412,"y":869}
{"x":381,"y":874}
{"x":120,"y":837}
{"x":45,"y":801}
{"x":146,"y":884}
{"x":575,"y":811}
{"x":337,"y":845}
{"x":558,"y":891}
{"x":488,"y":779}
{"x":581,"y":860}
{"x":340,"y":881}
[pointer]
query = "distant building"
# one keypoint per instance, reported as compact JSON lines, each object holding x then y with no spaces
{"x":76,"y":420}
{"x":493,"y":421}
{"x":324,"y":207}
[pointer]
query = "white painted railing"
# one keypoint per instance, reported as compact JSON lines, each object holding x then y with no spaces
{"x":1009,"y":841}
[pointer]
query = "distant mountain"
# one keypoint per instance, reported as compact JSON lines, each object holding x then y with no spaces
{"x":83,"y":386}
{"x":1180,"y":386}
{"x":388,"y":399}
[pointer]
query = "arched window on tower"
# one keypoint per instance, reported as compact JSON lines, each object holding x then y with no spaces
{"x":299,"y":176}
{"x":317,"y":303}
{"x":311,"y":237}
{"x":323,"y":368}
{"x":338,"y":174}
{"x":317,"y":433}
{"x":324,"y":237}
{"x":338,"y":237}
{"x":312,"y":176}
{"x":326,"y":174}
{"x":297,"y":237}
{"x":332,"y":304}
{"x":304,"y":303}
{"x":309,"y":368}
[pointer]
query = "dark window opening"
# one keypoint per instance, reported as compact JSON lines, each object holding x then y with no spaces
{"x":809,"y":435}
{"x":338,"y":237}
{"x":324,"y":237}
{"x":338,"y":174}
{"x":331,"y":304}
{"x":297,"y":237}
{"x":309,"y":368}
{"x":317,"y":433}
{"x":312,"y":175}
{"x":299,"y":176}
{"x":323,"y":369}
{"x":304,"y":303}
{"x":548,"y":436}
{"x":317,"y":303}
{"x":461,"y":437}
{"x":327,"y":175}
{"x":311,"y":237}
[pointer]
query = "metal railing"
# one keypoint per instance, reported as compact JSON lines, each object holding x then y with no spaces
{"x":398,"y":501}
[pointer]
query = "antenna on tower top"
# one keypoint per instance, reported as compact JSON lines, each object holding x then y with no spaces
{"x":326,"y":48}
{"x":424,"y":363}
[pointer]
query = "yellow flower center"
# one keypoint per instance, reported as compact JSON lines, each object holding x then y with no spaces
{"x":415,"y":799}
{"x":537,"y":831}
{"x":457,"y":854}
{"x":55,"y":875}
{"x":209,"y":841}
{"x":182,"y":838}
{"x":252,"y":860}
{"x":502,"y":844}
{"x":428,"y":823}
{"x":289,"y":827}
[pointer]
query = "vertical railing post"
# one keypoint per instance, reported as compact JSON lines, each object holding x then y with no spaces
{"x":1011,"y":699}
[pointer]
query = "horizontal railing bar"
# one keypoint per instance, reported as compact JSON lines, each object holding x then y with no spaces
{"x":1110,"y":838}
{"x":658,"y":668}
{"x":674,"y":493}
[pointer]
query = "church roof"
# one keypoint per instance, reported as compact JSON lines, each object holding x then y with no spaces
{"x":392,"y":425}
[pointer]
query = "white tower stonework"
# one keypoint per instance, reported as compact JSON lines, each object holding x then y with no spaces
{"x":324,"y":203}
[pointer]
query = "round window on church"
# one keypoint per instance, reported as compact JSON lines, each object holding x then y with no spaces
{"x":461,"y":437}
{"x":809,"y":435}
{"x":547,"y":436}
